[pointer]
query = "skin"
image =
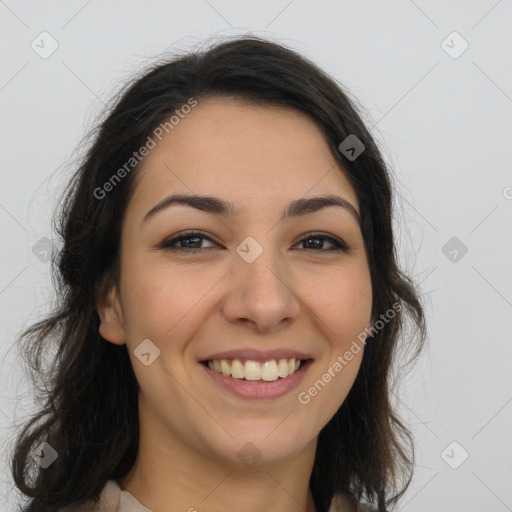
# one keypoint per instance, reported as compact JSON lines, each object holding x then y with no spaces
{"x":191,"y":305}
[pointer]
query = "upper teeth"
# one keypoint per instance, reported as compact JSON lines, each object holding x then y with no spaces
{"x":254,"y":370}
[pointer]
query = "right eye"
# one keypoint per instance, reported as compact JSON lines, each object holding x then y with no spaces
{"x":193,"y":239}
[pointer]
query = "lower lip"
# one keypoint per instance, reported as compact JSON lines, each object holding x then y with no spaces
{"x":259,"y":389}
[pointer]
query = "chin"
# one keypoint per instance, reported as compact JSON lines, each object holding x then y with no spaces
{"x":262,"y":448}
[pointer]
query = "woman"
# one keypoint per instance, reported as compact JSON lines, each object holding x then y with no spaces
{"x":230,"y":302}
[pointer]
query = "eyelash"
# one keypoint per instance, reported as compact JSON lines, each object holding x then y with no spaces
{"x":339,"y":245}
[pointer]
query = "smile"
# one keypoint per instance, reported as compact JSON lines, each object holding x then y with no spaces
{"x":254,"y":370}
{"x":256,"y":380}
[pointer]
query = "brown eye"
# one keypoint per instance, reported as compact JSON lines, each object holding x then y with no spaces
{"x":191,"y":242}
{"x":192,"y":239}
{"x":319,"y":241}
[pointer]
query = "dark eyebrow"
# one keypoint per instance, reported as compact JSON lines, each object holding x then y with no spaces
{"x":219,"y":206}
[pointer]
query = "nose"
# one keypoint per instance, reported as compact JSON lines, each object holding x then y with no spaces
{"x":261,"y":294}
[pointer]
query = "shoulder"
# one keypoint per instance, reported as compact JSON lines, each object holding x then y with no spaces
{"x":341,"y":503}
{"x":108,"y":501}
{"x":366,"y":508}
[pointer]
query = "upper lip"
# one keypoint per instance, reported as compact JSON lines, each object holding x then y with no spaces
{"x":257,"y":355}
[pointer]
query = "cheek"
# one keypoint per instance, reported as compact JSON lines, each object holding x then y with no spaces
{"x":343,"y":301}
{"x":161,"y":301}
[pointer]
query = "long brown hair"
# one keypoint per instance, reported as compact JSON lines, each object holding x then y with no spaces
{"x":88,"y":390}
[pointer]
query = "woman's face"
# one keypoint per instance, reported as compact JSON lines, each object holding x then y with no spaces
{"x":281,"y":289}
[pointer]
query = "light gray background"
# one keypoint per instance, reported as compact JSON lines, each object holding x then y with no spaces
{"x":444,"y":125}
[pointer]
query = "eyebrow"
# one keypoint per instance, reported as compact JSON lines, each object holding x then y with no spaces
{"x":220,"y":206}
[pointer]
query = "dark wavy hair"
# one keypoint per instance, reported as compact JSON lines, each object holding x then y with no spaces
{"x":87,"y":390}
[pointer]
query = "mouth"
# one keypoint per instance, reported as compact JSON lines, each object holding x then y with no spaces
{"x":261,"y":381}
{"x":256,"y":371}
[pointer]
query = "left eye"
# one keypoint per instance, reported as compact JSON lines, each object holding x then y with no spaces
{"x":195,"y":239}
{"x":338,"y":245}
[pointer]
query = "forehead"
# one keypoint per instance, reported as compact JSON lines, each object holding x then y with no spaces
{"x":245,"y":153}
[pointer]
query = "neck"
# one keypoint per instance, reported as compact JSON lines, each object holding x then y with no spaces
{"x":169,"y":475}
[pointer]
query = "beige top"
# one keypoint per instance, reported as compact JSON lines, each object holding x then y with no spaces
{"x":114,"y":499}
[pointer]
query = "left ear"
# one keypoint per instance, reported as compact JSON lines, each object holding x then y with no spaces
{"x":111,"y":318}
